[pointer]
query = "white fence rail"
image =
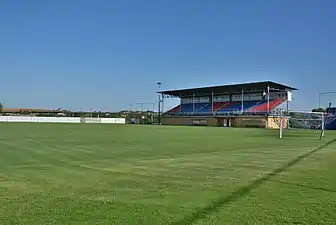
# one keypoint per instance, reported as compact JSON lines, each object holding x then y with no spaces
{"x":32,"y":119}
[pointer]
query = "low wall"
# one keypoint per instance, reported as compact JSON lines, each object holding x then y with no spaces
{"x":241,"y":121}
{"x":256,"y":122}
{"x":197,"y":121}
{"x":32,"y":119}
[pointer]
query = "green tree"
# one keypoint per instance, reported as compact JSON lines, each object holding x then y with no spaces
{"x":319,"y":110}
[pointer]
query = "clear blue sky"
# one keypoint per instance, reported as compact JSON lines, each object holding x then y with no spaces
{"x":107,"y":54}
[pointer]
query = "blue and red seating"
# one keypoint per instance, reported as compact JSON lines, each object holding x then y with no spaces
{"x":263,"y":106}
{"x":227,"y":107}
{"x":330,"y":120}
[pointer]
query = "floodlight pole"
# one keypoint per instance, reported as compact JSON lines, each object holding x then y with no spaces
{"x":159,"y":103}
{"x":193,"y":101}
{"x":268,"y":98}
{"x":162,"y":107}
{"x":159,"y":110}
{"x":242,"y":101}
{"x":322,"y":132}
{"x":212,"y":101}
{"x":180,"y":103}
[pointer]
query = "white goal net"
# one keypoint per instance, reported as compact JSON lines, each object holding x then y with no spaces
{"x":296,"y":120}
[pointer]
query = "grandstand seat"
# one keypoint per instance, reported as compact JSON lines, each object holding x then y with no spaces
{"x":230,"y":107}
{"x":188,"y":107}
{"x":331,"y":111}
{"x":330,"y":122}
{"x":218,"y":106}
{"x":249,"y":104}
{"x":204,"y":108}
{"x":175,"y":109}
{"x":199,"y":107}
{"x":226,"y":107}
{"x":263,"y":107}
{"x":237,"y":106}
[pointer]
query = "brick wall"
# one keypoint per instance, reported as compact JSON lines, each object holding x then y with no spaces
{"x":205,"y":121}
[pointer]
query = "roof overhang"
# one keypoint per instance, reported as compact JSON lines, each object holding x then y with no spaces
{"x":228,"y":89}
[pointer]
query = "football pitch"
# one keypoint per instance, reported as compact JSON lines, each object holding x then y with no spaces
{"x":153,"y":175}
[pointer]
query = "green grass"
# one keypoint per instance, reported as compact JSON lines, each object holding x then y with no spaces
{"x":109,"y":174}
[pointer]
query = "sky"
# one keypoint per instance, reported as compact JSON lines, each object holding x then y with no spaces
{"x":109,"y":54}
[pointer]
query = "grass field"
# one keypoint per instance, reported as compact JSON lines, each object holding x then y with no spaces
{"x":109,"y":174}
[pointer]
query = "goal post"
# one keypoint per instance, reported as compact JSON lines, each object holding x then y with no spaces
{"x":323,"y":126}
{"x":301,"y":120}
{"x":281,"y":125}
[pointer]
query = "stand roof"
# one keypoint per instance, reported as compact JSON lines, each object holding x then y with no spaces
{"x":228,"y":89}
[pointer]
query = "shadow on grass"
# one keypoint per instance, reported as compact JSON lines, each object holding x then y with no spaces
{"x":303,"y":186}
{"x":222,"y":201}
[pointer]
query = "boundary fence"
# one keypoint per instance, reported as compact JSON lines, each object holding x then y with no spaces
{"x":35,"y":119}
